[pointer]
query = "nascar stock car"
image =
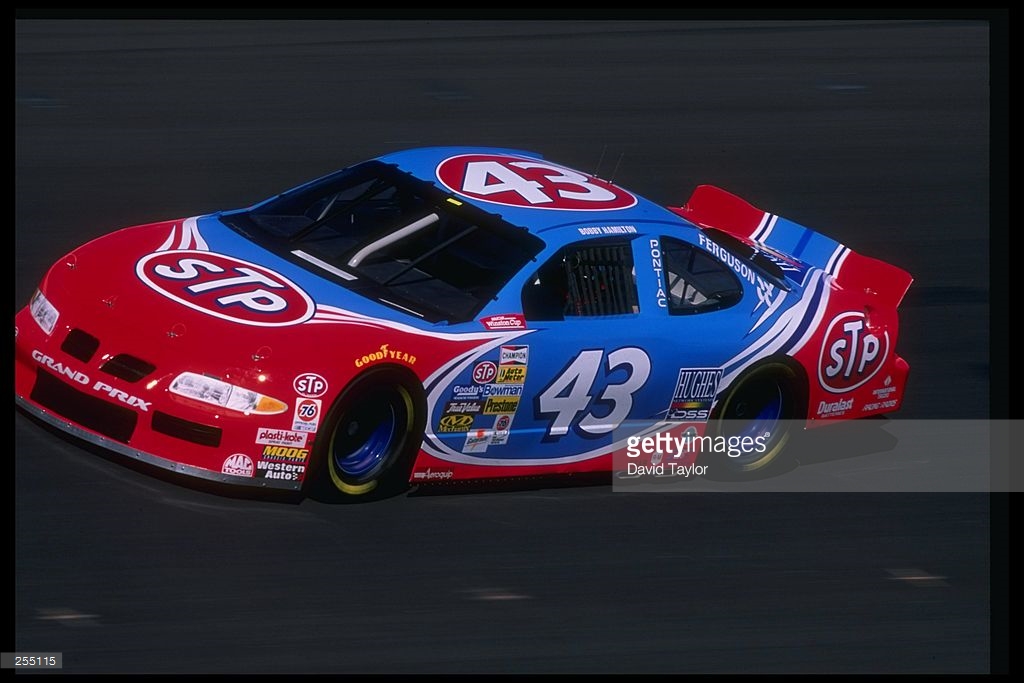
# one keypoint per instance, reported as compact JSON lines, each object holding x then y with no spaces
{"x":454,"y":313}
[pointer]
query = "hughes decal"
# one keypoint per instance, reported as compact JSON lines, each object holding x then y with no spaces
{"x":696,"y":389}
{"x":225,"y":287}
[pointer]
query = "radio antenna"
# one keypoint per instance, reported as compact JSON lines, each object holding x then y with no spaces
{"x":600,"y":160}
{"x":616,"y":169}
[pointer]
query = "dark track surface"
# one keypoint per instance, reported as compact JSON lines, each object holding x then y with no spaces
{"x":875,"y":133}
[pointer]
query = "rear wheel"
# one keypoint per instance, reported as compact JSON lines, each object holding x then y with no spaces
{"x":757,"y":417}
{"x":370,"y":437}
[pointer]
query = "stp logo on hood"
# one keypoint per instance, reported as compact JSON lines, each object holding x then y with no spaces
{"x":529,"y":183}
{"x":850,"y":353}
{"x":226,"y":287}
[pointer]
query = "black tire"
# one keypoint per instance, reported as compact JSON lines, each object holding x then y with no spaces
{"x":763,"y":405}
{"x":370,"y":437}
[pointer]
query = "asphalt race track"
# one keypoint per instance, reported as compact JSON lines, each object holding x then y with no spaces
{"x":877,"y":133}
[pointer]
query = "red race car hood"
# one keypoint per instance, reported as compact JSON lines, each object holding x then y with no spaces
{"x":164,"y":291}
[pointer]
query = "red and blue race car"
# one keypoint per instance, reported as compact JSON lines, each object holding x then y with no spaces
{"x":455,"y":313}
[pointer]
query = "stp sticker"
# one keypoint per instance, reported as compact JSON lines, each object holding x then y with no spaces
{"x":529,"y":183}
{"x":485,"y":372}
{"x":850,"y":354}
{"x":225,"y":287}
{"x":307,"y":415}
{"x":310,"y":385}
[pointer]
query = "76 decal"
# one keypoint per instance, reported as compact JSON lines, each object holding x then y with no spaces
{"x":573,"y":400}
{"x":530,"y":183}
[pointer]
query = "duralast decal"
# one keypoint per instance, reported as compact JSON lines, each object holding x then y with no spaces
{"x":383,"y":354}
{"x":835,"y":408}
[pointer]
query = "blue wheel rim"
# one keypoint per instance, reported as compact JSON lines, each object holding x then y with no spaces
{"x":764,"y":421}
{"x":367,"y":452}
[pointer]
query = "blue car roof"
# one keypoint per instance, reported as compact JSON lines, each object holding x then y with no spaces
{"x":425,"y":162}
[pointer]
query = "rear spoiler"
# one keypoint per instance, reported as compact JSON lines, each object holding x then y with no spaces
{"x":713,"y":207}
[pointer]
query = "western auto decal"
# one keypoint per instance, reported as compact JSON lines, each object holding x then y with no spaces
{"x":527,"y":182}
{"x":226,"y":287}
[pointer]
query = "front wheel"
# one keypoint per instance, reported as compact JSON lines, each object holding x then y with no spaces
{"x":756,"y":418}
{"x":370,"y":437}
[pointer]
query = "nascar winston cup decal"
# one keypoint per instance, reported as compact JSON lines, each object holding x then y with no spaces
{"x":226,"y":287}
{"x":529,"y":183}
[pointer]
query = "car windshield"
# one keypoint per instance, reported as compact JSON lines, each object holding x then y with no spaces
{"x":393,"y":238}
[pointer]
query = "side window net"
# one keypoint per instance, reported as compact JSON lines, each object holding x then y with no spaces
{"x":695,"y":281}
{"x":583,"y":280}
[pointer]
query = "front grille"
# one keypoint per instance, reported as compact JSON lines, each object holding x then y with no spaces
{"x":128,"y":368}
{"x":91,"y":412}
{"x":80,"y":345}
{"x":186,"y":430}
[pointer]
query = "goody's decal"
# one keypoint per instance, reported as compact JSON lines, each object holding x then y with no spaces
{"x":850,"y":354}
{"x":225,"y":287}
{"x":529,"y":183}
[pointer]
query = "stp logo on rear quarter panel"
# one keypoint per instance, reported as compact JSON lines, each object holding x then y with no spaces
{"x":850,"y":353}
{"x":529,"y":183}
{"x":226,"y":287}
